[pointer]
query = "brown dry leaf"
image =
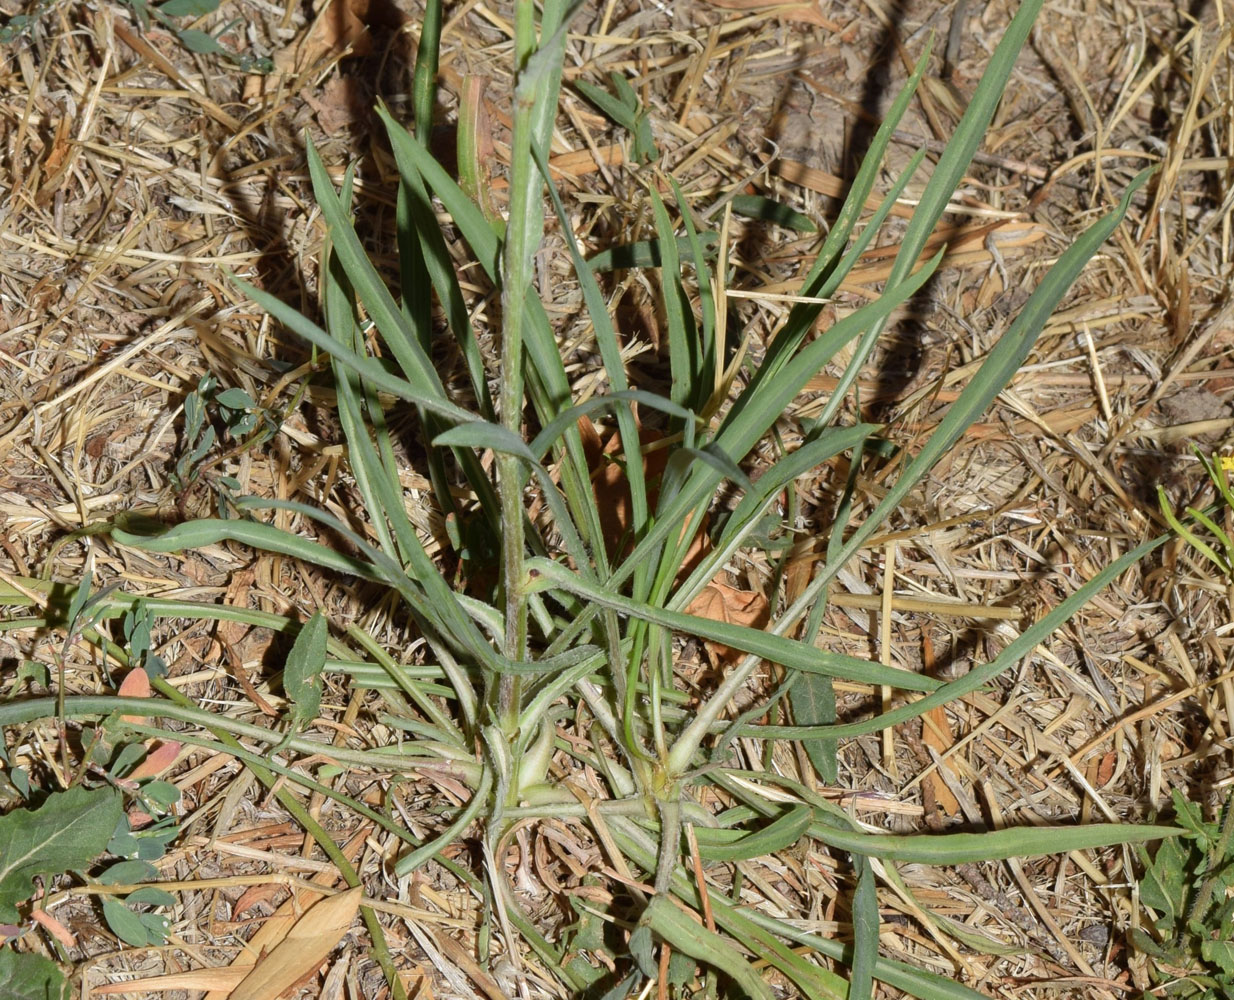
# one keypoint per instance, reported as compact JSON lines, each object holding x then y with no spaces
{"x":722,"y":603}
{"x":612,"y":491}
{"x":340,"y":105}
{"x":253,"y":895}
{"x":936,"y":732}
{"x":225,"y":980}
{"x":803,"y":13}
{"x":302,"y":951}
{"x":1105,"y":769}
{"x":340,"y":25}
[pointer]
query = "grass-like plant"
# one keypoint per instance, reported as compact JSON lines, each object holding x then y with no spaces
{"x":574,"y":628}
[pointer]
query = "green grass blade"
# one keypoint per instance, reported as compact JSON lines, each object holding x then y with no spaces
{"x":865,"y":932}
{"x":775,"y":648}
{"x":832,"y":264}
{"x":738,"y":438}
{"x":709,"y":350}
{"x":755,"y":206}
{"x":981,"y":675}
{"x":745,"y":517}
{"x":646,"y":253}
{"x":547,"y":381}
{"x":439,"y":269}
{"x":424,"y":82}
{"x":614,"y":369}
{"x":995,"y":373}
{"x":685,"y":360}
{"x":994,"y":845}
{"x":369,"y":368}
{"x":398,"y":334}
{"x":688,"y":936}
{"x":210,"y":531}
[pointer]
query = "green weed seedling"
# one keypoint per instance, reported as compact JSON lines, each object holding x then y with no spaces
{"x":1188,"y":883}
{"x":246,"y":425}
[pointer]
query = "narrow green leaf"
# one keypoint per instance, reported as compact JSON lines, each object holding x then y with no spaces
{"x":719,"y":844}
{"x":202,"y":44}
{"x":209,"y":531}
{"x":484,"y":435}
{"x":620,"y":113}
{"x":1013,"y":842}
{"x":685,"y":360}
{"x":689,"y":936}
{"x":865,"y":932}
{"x":813,"y":702}
{"x":370,"y":369}
{"x":776,"y":648}
{"x":755,"y":206}
{"x":188,"y":8}
{"x":981,"y":675}
{"x":646,"y":253}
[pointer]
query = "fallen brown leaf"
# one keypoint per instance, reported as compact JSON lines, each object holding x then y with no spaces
{"x":936,"y":732}
{"x":223,"y":979}
{"x":803,"y":13}
{"x":302,"y":951}
{"x":721,"y":603}
{"x":273,"y":930}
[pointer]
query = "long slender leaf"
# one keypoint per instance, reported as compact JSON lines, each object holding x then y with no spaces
{"x":981,"y":675}
{"x":774,"y":648}
{"x":865,"y":932}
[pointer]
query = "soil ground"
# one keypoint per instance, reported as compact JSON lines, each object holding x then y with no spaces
{"x":134,"y":173}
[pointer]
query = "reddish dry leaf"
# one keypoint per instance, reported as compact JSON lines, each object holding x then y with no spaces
{"x":1105,"y":769}
{"x":252,"y":896}
{"x":136,"y":684}
{"x":160,"y":756}
{"x":721,"y":603}
{"x":54,"y":927}
{"x":936,"y":732}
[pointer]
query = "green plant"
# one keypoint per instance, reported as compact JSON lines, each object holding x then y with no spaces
{"x":1222,"y":557}
{"x":245,"y":424}
{"x":1188,"y":882}
{"x":172,"y":14}
{"x":578,"y":624}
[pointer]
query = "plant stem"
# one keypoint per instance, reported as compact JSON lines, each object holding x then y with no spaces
{"x":523,"y":233}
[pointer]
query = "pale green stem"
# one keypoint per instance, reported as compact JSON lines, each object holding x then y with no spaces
{"x":522,"y":238}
